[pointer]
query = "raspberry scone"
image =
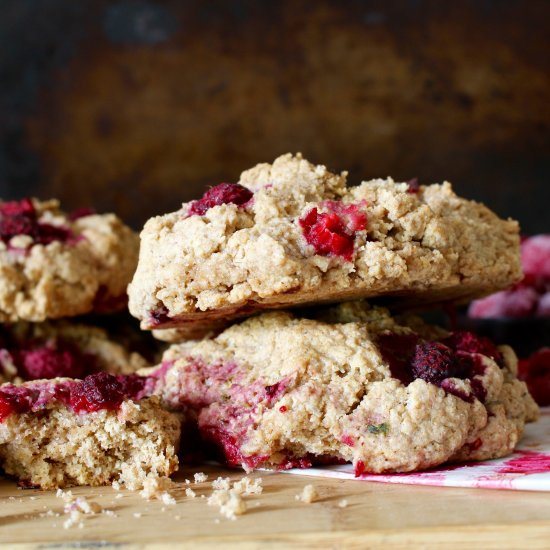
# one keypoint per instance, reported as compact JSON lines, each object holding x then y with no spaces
{"x":59,"y":349}
{"x":63,"y":432}
{"x":56,"y":265}
{"x":292,"y":233}
{"x":353,"y":384}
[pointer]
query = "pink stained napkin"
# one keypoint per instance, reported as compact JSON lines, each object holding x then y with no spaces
{"x":527,"y":469}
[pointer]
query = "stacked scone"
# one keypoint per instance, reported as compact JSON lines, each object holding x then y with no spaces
{"x":71,"y":409}
{"x":330,"y":383}
{"x":276,"y":357}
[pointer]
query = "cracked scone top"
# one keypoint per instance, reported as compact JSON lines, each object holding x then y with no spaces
{"x":54,"y":264}
{"x":352,"y":385}
{"x":292,"y":233}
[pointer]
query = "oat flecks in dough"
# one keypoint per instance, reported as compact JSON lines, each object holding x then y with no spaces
{"x":87,"y":273}
{"x":282,"y":391}
{"x":429,"y":246}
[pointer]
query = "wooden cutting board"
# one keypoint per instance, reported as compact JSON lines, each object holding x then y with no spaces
{"x":377,"y":516}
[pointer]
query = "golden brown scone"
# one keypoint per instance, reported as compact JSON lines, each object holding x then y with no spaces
{"x":56,"y":265}
{"x":291,"y":233}
{"x":353,"y":384}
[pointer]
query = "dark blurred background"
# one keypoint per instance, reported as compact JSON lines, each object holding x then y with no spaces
{"x":137,"y":105}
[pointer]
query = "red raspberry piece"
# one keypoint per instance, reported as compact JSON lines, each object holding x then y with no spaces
{"x":520,"y":302}
{"x":397,"y":350}
{"x":81,"y":213}
{"x":159,"y":316}
{"x":19,"y":218}
{"x":24,"y":207}
{"x":463,"y":340}
{"x":14,"y":399}
{"x":535,"y":371}
{"x":350,"y":214}
{"x":224,"y":193}
{"x":133,"y":385}
{"x":327,"y":234}
{"x":433,"y":362}
{"x":48,"y":362}
{"x":332,"y":233}
{"x":535,"y":256}
{"x":10,"y":226}
{"x":47,"y":234}
{"x":543,"y":307}
{"x":97,"y":391}
{"x":414,"y":186}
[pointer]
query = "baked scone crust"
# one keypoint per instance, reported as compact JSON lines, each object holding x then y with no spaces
{"x":424,"y":246}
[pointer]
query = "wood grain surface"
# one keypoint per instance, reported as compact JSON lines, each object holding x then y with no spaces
{"x":377,"y":516}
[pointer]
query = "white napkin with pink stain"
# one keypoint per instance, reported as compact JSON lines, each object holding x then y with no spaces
{"x":527,"y":469}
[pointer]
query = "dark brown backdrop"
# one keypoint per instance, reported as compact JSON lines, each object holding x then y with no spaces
{"x":136,"y":105}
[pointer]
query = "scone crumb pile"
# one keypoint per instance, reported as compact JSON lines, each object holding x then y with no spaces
{"x":230,"y":499}
{"x":308,"y":495}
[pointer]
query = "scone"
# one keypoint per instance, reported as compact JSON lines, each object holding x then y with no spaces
{"x":61,"y":349}
{"x":63,"y":432}
{"x":56,"y":265}
{"x":352,"y":384}
{"x":292,"y":233}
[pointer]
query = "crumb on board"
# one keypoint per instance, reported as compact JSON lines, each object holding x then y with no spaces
{"x":77,"y":509}
{"x":137,"y":514}
{"x":247,"y":486}
{"x":167,"y":498}
{"x":223,"y":483}
{"x":230,"y":504}
{"x":308,"y":495}
{"x":158,"y":487}
{"x":190,"y":493}
{"x":343,"y":503}
{"x":200,"y":477}
{"x":229,"y":498}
